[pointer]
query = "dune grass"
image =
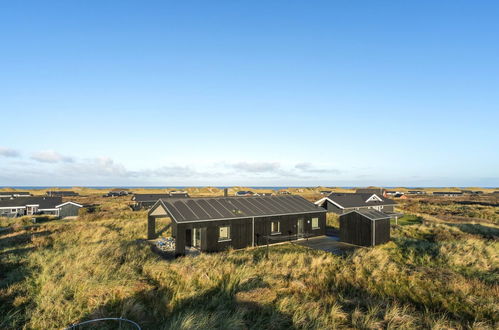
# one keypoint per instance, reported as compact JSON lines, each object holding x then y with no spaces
{"x":57,"y":273}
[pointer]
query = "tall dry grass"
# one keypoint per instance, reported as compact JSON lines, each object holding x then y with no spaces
{"x":57,"y":273}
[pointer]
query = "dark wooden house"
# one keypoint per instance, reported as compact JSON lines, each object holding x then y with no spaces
{"x":448,"y":193}
{"x":215,"y":224}
{"x":11,"y":194}
{"x":365,"y":227}
{"x":143,"y":201}
{"x":341,"y":203}
{"x":62,"y":193}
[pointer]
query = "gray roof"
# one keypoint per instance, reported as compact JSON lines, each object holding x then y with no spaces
{"x":11,"y":193}
{"x":156,"y":197}
{"x":62,"y":193}
{"x":370,"y":214}
{"x":219,"y":208}
{"x":43,"y":202}
{"x":358,"y":200}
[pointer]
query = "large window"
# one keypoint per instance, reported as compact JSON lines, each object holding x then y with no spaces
{"x":275,"y":227}
{"x":315,"y":223}
{"x":223,"y":233}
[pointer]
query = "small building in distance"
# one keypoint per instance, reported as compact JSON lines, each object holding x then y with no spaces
{"x":416,"y":192}
{"x":244,"y":193}
{"x":13,"y":194}
{"x":265,"y":194}
{"x":61,"y":193}
{"x":448,"y":193}
{"x":365,"y":227}
{"x":179,"y":194}
{"x":117,"y":193}
{"x":326,"y":192}
{"x":371,"y":190}
{"x":219,"y":223}
{"x":36,"y":205}
{"x":147,"y":200}
{"x":340,"y":203}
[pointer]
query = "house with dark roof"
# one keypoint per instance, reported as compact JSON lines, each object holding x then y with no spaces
{"x":10,"y":194}
{"x":147,"y":200}
{"x":218,"y":223}
{"x":244,"y":193}
{"x":341,"y":203}
{"x":448,"y":193}
{"x":378,"y":191}
{"x":62,"y":193}
{"x":34,"y":205}
{"x":416,"y":192}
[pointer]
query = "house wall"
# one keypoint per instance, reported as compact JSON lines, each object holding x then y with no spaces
{"x":9,"y":214}
{"x":68,"y":210}
{"x":382,"y":232}
{"x":357,"y":229}
{"x":241,"y":231}
{"x":330,"y":207}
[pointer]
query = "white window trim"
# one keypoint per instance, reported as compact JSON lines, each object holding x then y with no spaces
{"x":312,"y":223}
{"x":228,"y":239}
{"x":278,"y":232}
{"x":374,"y":197}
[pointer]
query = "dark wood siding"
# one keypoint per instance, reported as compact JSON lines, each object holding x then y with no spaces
{"x":241,"y":231}
{"x":357,"y":229}
{"x":382,"y":231}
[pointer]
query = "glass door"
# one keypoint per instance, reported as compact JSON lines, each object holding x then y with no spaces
{"x":196,"y":238}
{"x":300,"y":228}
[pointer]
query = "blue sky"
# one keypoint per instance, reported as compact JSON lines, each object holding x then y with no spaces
{"x":249,"y":93}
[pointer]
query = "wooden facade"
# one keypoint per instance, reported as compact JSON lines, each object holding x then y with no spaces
{"x":359,"y":229}
{"x":204,"y":234}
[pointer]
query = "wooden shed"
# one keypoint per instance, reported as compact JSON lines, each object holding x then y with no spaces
{"x":217,"y":223}
{"x":365,"y":227}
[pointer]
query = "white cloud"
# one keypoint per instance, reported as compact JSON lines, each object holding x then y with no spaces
{"x":257,"y":167}
{"x":7,"y":152}
{"x":50,"y":156}
{"x":310,"y":168}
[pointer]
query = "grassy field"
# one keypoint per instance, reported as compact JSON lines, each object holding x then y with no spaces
{"x":439,"y":275}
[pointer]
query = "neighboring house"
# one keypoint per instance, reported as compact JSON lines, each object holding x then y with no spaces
{"x":392,"y":193}
{"x":21,"y":206}
{"x":10,"y":194}
{"x":264,"y":194}
{"x":326,"y":192}
{"x":244,"y":193}
{"x":416,"y":192}
{"x":341,"y":203}
{"x":116,"y":193}
{"x":62,"y":193}
{"x":179,"y":194}
{"x":365,"y":227}
{"x":218,"y":223}
{"x":147,"y":200}
{"x":400,"y":195}
{"x":447,"y":193}
{"x":377,"y":191}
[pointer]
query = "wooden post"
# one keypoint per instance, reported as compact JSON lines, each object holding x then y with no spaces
{"x":267,"y":251}
{"x":151,"y":227}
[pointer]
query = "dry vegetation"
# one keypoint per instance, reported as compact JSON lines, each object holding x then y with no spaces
{"x":57,"y":273}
